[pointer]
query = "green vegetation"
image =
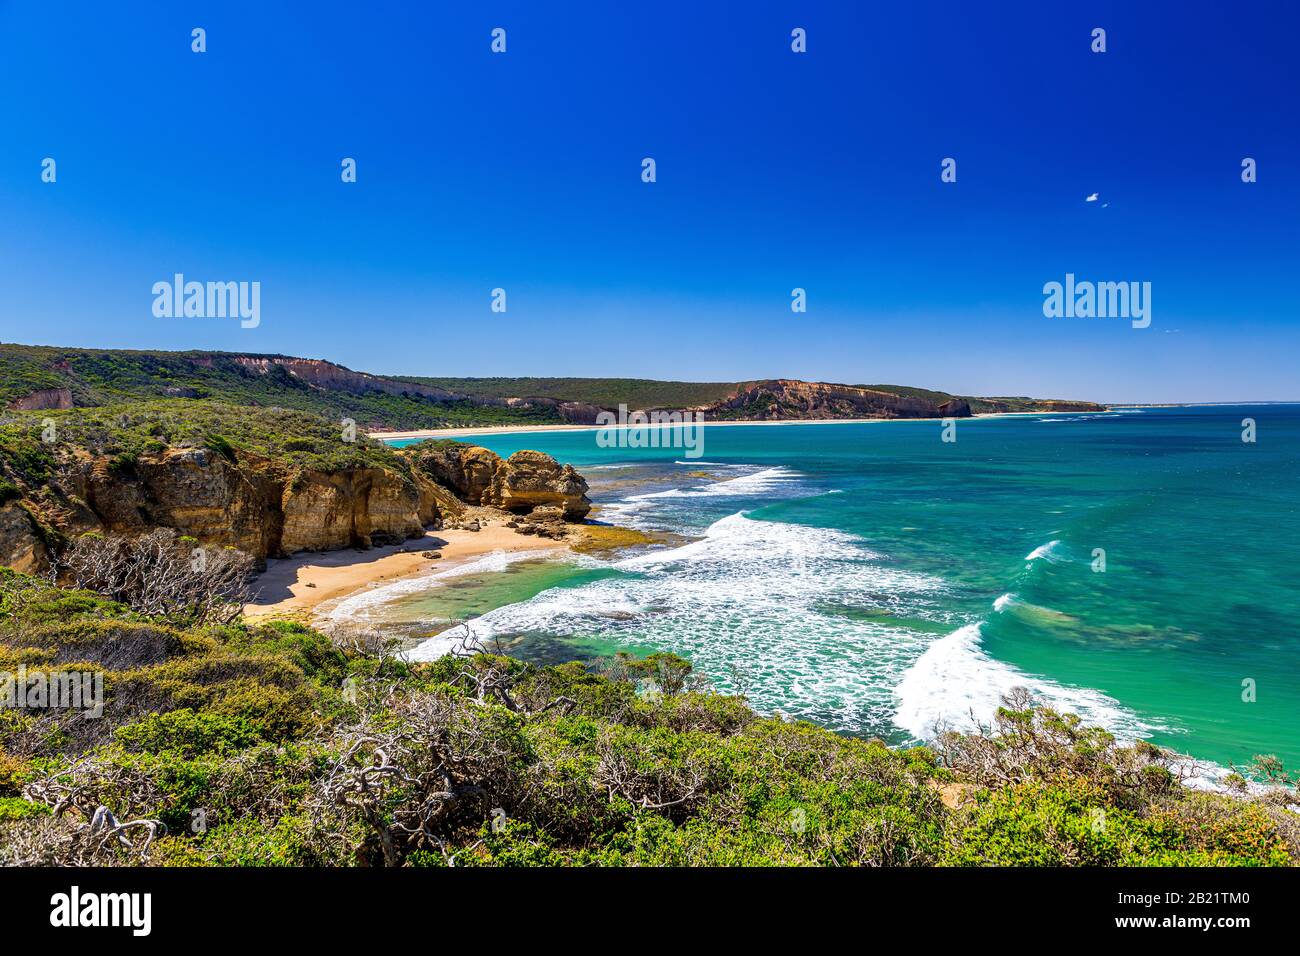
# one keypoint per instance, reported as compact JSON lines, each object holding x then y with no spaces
{"x":604,"y":392}
{"x":281,"y":437}
{"x":99,"y":378}
{"x":96,"y":378}
{"x":923,"y":393}
{"x":293,"y":751}
{"x":1023,"y":403}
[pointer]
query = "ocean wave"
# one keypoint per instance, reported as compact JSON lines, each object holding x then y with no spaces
{"x":1090,"y":416}
{"x":1033,"y":613}
{"x":660,"y":509}
{"x":435,"y":647}
{"x":751,"y":595}
{"x":738,"y":540}
{"x":1048,"y":552}
{"x":759,"y":483}
{"x":956,"y":685}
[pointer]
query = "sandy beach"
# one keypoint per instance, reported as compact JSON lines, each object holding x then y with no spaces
{"x":297,"y":586}
{"x":526,"y":429}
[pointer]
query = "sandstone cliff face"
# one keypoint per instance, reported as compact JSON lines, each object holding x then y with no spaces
{"x":20,"y":545}
{"x":247,"y":504}
{"x":42,"y":399}
{"x":791,"y":399}
{"x":203,"y":494}
{"x":327,"y":375}
{"x":524,"y":481}
{"x":575,"y":413}
{"x":531,"y":479}
{"x":354,"y":508}
{"x":195,"y":491}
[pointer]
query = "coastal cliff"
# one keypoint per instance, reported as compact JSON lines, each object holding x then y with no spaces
{"x":46,"y":377}
{"x":790,"y":399}
{"x":309,"y":492}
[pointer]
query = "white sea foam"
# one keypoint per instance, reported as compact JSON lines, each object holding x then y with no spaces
{"x":764,"y":482}
{"x":956,"y":685}
{"x":754,"y":594}
{"x":647,"y":509}
{"x":438,"y":646}
{"x":1049,"y":552}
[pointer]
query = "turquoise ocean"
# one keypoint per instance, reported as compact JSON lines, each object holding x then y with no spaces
{"x":1138,"y":567}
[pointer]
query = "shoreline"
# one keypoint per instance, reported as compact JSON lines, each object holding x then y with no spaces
{"x":387,"y":436}
{"x":297,"y":587}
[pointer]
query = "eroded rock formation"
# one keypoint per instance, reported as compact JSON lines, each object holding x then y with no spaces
{"x":42,"y":399}
{"x":781,"y":399}
{"x":251,"y":505}
{"x":21,"y":547}
{"x":520,"y":483}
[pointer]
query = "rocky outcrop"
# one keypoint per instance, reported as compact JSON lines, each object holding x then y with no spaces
{"x":203,"y":494}
{"x":327,"y":375}
{"x":779,"y":399}
{"x":196,"y":491}
{"x":545,"y":521}
{"x":530,"y":479}
{"x":524,"y":481}
{"x":575,"y":413}
{"x":354,"y":508}
{"x":268,"y":510}
{"x":465,"y":469}
{"x":42,"y":399}
{"x":21,"y":547}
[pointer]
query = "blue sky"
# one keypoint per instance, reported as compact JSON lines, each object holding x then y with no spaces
{"x":775,"y":170}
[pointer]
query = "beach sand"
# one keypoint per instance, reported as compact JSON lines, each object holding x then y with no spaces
{"x":283,"y":590}
{"x":528,"y":429}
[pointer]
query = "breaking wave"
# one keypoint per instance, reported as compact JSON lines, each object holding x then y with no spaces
{"x":751,"y":594}
{"x":955,"y":685}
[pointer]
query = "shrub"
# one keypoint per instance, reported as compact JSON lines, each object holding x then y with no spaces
{"x":9,"y":492}
{"x":189,"y":733}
